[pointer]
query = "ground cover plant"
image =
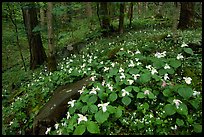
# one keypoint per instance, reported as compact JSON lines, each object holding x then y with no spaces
{"x":142,"y":84}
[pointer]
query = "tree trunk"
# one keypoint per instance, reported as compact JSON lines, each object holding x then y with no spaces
{"x":139,"y":8}
{"x":52,"y":64}
{"x":88,"y":9}
{"x":175,"y":21}
{"x":105,"y":21}
{"x":186,"y":15}
{"x":42,"y":17}
{"x":121,"y":18}
{"x":130,"y":13}
{"x":37,"y":52}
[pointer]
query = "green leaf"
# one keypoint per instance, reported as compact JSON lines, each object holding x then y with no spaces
{"x":195,"y":103}
{"x":167,"y":93}
{"x":185,"y":92}
{"x":175,"y":63}
{"x":145,"y":105}
{"x":140,"y":95}
{"x":79,"y":130}
{"x":92,"y":127}
{"x":110,"y":109}
{"x":136,"y":89}
{"x":197,"y":128}
{"x":179,"y":122}
{"x":146,"y":77}
{"x":84,"y":109}
{"x":170,"y":71}
{"x":93,"y":108}
{"x":151,"y":95}
{"x":188,"y":50}
{"x":169,"y":109}
{"x":129,"y":88}
{"x":133,"y":71}
{"x":126,"y":100}
{"x":118,"y":112}
{"x":93,"y":99}
{"x":85,"y":98}
{"x":182,"y":109}
{"x":101,"y":116}
{"x":113,"y":71}
{"x":113,"y":96}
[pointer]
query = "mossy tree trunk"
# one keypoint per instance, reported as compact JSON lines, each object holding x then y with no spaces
{"x":186,"y":15}
{"x":130,"y":13}
{"x":37,"y":52}
{"x":52,"y":64}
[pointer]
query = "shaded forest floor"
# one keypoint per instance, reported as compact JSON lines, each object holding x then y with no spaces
{"x":24,"y":93}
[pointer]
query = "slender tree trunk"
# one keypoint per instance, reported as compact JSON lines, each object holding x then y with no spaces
{"x":42,"y":17}
{"x":139,"y":8}
{"x":16,"y":30}
{"x":37,"y":52}
{"x":130,"y":13}
{"x":186,"y":15}
{"x":88,"y":9}
{"x":175,"y":21}
{"x":121,"y":17}
{"x":52,"y":64}
{"x":105,"y":20}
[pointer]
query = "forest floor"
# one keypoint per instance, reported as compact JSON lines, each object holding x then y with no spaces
{"x":118,"y":59}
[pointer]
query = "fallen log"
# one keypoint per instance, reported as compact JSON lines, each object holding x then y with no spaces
{"x":55,"y":109}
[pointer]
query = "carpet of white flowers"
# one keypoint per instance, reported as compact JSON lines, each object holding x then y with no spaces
{"x":148,"y":88}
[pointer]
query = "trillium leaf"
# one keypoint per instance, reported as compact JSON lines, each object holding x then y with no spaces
{"x":93,"y":99}
{"x":118,"y":112}
{"x":188,"y":50}
{"x":151,"y":95}
{"x":113,"y":96}
{"x":84,"y":109}
{"x":179,"y":122}
{"x":145,"y":105}
{"x":129,"y":88}
{"x":140,"y":95}
{"x":136,"y":89}
{"x":195,"y":103}
{"x":101,"y":116}
{"x":110,"y":109}
{"x":175,"y":63}
{"x":167,"y":93}
{"x":146,"y":77}
{"x":93,"y":108}
{"x":197,"y":128}
{"x":169,"y":109}
{"x":185,"y":92}
{"x":113,"y":71}
{"x":133,"y":71}
{"x":79,"y":130}
{"x":92,"y":127}
{"x":182,"y":109}
{"x":126,"y":100}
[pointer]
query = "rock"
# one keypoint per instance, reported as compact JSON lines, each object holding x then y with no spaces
{"x":55,"y":109}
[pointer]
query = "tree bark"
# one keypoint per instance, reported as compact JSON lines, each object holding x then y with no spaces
{"x":88,"y":9}
{"x":186,"y":15}
{"x":37,"y":52}
{"x":52,"y":64}
{"x":175,"y":21}
{"x":130,"y":13}
{"x":42,"y":17}
{"x":105,"y":21}
{"x":121,"y":17}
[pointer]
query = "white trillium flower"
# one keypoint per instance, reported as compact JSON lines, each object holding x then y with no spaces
{"x":146,"y":92}
{"x":139,"y":63}
{"x":124,"y":92}
{"x":56,"y":126}
{"x":153,"y":71}
{"x":104,"y":106}
{"x":177,"y":102}
{"x":130,"y":81}
{"x":149,"y":67}
{"x":136,"y":59}
{"x":93,"y":78}
{"x":48,"y":130}
{"x":121,"y":49}
{"x":103,"y":83}
{"x":137,"y":52}
{"x":136,"y":76}
{"x":93,"y":91}
{"x":81,"y":118}
{"x":131,"y":64}
{"x":166,"y":76}
{"x":166,"y":66}
{"x":121,"y":70}
{"x":196,"y":93}
{"x":110,"y":87}
{"x":184,"y":45}
{"x":68,"y":115}
{"x":122,"y":76}
{"x":187,"y":80}
{"x":106,"y":69}
{"x":113,"y":64}
{"x":174,"y":128}
{"x":179,"y":56}
{"x":82,"y":90}
{"x":71,"y":102}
